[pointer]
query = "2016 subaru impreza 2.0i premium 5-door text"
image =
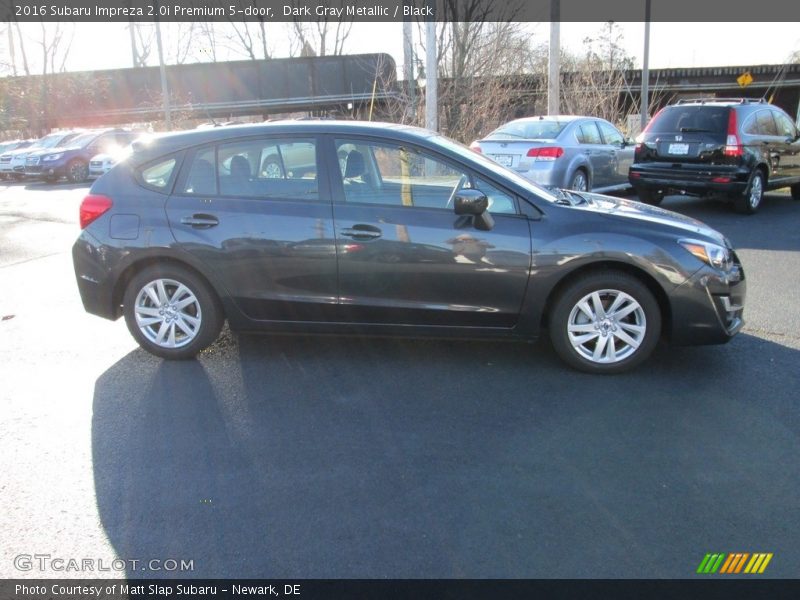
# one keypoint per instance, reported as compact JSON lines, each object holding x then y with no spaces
{"x":388,"y":230}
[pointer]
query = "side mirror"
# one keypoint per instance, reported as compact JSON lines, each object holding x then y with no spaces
{"x":474,"y":203}
{"x":470,"y":202}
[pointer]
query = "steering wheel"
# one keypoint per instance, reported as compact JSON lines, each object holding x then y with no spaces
{"x":461,"y":183}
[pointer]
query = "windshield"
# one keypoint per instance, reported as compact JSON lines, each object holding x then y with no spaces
{"x":494,"y":167}
{"x":83,"y":140}
{"x":52,"y":140}
{"x":541,"y":129}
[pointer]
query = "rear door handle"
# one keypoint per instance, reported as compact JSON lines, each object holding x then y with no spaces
{"x":362,"y":232}
{"x":201,"y":221}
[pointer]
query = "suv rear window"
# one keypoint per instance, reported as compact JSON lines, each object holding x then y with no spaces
{"x":701,"y":119}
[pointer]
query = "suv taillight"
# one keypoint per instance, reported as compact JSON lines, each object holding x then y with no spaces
{"x":546,"y":153}
{"x":733,"y":145}
{"x":92,"y":207}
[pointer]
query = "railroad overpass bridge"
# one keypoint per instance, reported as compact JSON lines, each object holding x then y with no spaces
{"x":202,"y":90}
{"x":332,"y":84}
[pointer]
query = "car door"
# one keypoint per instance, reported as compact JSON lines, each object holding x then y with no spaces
{"x":596,"y":152}
{"x":790,"y":150}
{"x":620,"y":155}
{"x":405,"y":257}
{"x":267,"y":237}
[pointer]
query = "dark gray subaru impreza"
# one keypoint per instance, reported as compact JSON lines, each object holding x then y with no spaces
{"x":364,"y":228}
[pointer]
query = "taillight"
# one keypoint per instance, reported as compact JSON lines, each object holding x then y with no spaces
{"x":476,"y":147}
{"x":733,"y":146}
{"x":93,"y":206}
{"x":546,"y":153}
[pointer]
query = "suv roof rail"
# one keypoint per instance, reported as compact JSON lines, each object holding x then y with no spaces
{"x":735,"y":100}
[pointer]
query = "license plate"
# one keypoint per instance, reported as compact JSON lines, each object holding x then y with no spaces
{"x":679,"y":148}
{"x":504,"y":159}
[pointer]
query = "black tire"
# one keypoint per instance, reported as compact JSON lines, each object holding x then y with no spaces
{"x":604,"y":334}
{"x":205,"y":307}
{"x":649,"y":196}
{"x":749,"y":202}
{"x":795,"y":191}
{"x":50,"y":179}
{"x":77,"y":171}
{"x":580,"y":181}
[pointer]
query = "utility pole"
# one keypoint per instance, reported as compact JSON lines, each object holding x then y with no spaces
{"x":163,"y":69}
{"x":408,"y":64}
{"x":645,"y":110}
{"x":431,"y":75}
{"x":554,"y":67}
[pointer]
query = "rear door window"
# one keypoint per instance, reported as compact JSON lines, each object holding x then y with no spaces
{"x":587,"y":133}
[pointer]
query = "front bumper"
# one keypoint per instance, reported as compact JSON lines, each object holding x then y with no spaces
{"x":708,"y":308}
{"x":48,"y":170}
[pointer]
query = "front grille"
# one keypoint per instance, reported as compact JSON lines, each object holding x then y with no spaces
{"x":33,"y":160}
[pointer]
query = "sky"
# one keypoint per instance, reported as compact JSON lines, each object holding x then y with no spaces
{"x":107,"y":46}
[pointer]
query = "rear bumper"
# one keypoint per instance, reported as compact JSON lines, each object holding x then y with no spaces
{"x":93,"y":276}
{"x":708,"y":308}
{"x":697,"y":180}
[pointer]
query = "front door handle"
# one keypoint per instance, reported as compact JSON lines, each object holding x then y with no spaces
{"x":362,"y":232}
{"x":201,"y":221}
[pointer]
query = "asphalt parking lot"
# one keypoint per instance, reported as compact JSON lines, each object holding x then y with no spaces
{"x":306,"y":457}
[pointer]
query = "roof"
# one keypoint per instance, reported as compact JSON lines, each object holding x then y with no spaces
{"x":163,"y":143}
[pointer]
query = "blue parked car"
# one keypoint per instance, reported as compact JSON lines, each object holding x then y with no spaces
{"x":72,"y":161}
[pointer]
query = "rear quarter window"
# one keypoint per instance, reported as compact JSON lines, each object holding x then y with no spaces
{"x":158,"y":175}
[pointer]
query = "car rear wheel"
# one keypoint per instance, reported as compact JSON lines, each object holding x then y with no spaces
{"x":606,"y":322}
{"x":77,"y":171}
{"x":580,"y":181}
{"x":649,"y":196}
{"x":272,"y":168}
{"x":796,"y":191}
{"x":171,"y":312}
{"x":749,"y":202}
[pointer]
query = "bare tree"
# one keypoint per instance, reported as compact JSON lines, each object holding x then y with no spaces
{"x":324,"y":37}
{"x":142,"y":36}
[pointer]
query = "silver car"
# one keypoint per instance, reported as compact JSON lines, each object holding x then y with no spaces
{"x":570,"y":152}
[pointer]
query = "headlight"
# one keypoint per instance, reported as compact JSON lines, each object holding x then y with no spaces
{"x":712,"y":254}
{"x":50,"y":157}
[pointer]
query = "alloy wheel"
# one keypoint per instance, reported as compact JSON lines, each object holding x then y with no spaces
{"x":606,"y":326}
{"x":168,"y":313}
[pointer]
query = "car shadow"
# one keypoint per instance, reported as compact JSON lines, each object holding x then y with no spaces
{"x":345,"y":457}
{"x":765,"y":230}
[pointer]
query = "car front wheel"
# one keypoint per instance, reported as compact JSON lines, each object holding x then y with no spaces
{"x":606,"y":322}
{"x":77,"y":171}
{"x":171,"y":312}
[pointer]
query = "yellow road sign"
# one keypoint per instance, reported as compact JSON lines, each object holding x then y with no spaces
{"x":745,"y":79}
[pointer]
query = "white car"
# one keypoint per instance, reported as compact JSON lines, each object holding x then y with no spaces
{"x":6,"y":170}
{"x":100,"y":164}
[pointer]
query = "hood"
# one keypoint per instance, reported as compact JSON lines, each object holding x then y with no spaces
{"x":619,"y":208}
{"x":58,"y":150}
{"x":22,"y":152}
